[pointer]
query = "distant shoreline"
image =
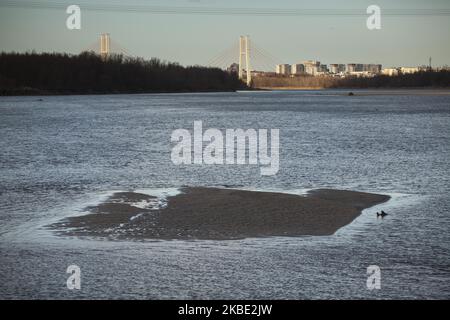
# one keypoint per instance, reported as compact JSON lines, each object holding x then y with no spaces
{"x":88,"y":73}
{"x":41,"y":93}
{"x":32,"y":74}
{"x":345,"y":91}
{"x":368,"y":91}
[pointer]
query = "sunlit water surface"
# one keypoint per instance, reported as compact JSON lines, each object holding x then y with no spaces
{"x":62,"y":154}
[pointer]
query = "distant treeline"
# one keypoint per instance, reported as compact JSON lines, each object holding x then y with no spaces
{"x":436,"y":79}
{"x":294,"y":82}
{"x":88,"y":73}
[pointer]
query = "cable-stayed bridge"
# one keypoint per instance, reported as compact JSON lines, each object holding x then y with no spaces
{"x":248,"y":56}
{"x":240,"y":57}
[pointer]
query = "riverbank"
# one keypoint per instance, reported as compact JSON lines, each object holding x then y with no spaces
{"x":219,"y":214}
{"x":89,"y":73}
{"x":370,"y":91}
{"x":430,"y":79}
{"x":27,"y":91}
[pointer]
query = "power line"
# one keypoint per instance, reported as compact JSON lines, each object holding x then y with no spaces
{"x":134,"y":8}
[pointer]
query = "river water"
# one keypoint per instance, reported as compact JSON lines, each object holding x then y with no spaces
{"x":61,"y":154}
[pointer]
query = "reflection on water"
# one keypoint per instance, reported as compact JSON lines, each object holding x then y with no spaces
{"x":62,"y":154}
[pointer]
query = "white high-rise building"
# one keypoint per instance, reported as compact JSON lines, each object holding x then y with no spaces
{"x":283,"y":69}
{"x":390,"y":71}
{"x":297,"y":69}
{"x":337,"y":68}
{"x":406,"y":70}
{"x":311,"y":67}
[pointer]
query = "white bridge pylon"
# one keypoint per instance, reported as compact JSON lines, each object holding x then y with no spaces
{"x":107,"y":46}
{"x":251,"y":57}
{"x":244,"y":55}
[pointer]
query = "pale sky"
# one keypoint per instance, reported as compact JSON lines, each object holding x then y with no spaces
{"x":405,"y":39}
